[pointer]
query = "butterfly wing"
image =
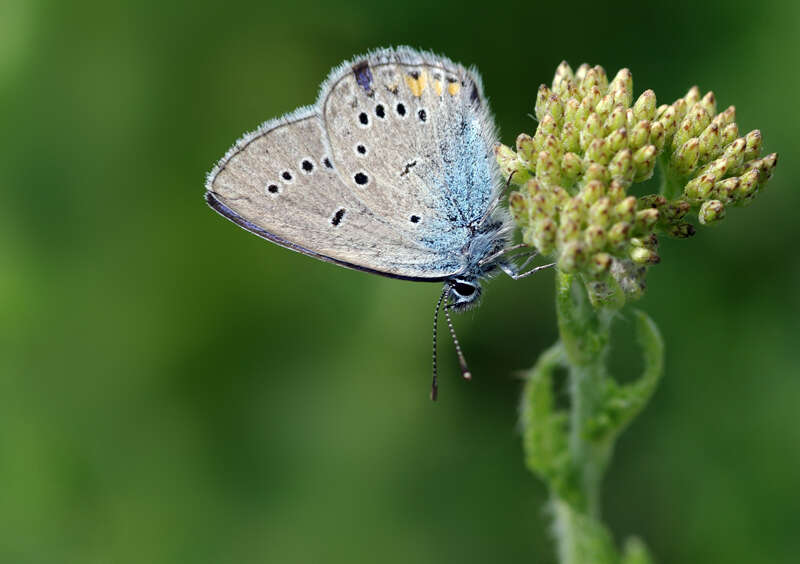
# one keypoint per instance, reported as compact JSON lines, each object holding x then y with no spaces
{"x":411,"y":135}
{"x":292,"y":182}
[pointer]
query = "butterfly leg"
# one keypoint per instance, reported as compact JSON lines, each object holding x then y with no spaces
{"x":516,"y":275}
{"x":502,"y":252}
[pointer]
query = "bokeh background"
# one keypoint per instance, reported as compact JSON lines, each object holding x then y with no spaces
{"x":173,"y":389}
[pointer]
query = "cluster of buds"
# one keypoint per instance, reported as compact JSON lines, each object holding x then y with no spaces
{"x":593,"y":142}
{"x":706,"y":164}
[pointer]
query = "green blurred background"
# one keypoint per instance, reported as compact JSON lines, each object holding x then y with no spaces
{"x":173,"y":389}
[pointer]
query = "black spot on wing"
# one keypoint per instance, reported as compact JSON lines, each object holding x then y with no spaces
{"x":364,"y":77}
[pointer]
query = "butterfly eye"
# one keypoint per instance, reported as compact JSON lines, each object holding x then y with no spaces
{"x":464,"y":289}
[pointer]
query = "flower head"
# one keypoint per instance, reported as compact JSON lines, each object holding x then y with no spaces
{"x":593,"y":142}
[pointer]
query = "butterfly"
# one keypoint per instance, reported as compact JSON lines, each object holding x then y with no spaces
{"x":391,"y":171}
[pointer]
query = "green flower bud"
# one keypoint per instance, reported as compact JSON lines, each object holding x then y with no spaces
{"x":595,"y":238}
{"x":656,"y":201}
{"x":571,"y":110}
{"x":518,"y":206}
{"x":768,"y":165}
{"x":658,"y":136}
{"x":625,"y":210}
{"x":753,"y":140}
{"x":639,"y":135}
{"x":616,"y":119}
{"x":734,"y":153}
{"x":699,"y":188}
{"x":675,"y":210}
{"x":709,"y":143}
{"x":552,"y":146}
{"x":574,"y":209}
{"x":692,"y":96}
{"x":728,"y":134}
{"x":645,"y":106}
{"x":709,"y":103}
{"x":570,"y":138}
{"x":547,"y":169}
{"x":594,"y":78}
{"x":600,"y":263}
{"x":573,"y":257}
{"x":544,"y":236}
{"x":725,"y":118}
{"x":592,"y":192}
{"x":604,"y":106}
{"x":748,"y":184}
{"x":560,"y":196}
{"x":644,"y":161}
{"x":592,"y":129}
{"x":547,"y":126}
{"x":510,"y":165}
{"x":622,"y":81}
{"x":568,"y":231}
{"x":600,"y":212}
{"x":616,"y":191}
{"x":533,"y":187}
{"x":619,"y":233}
{"x":685,"y":158}
{"x":726,"y":190}
{"x":617,"y":140}
{"x":589,"y":103}
{"x":525,"y":149}
{"x":596,"y":171}
{"x":642,"y":255}
{"x":681,"y":107}
{"x":555,"y":108}
{"x":571,"y":168}
{"x":598,"y":152}
{"x":718,"y":168}
{"x":542,"y":96}
{"x":693,"y":124}
{"x":646,"y":219}
{"x":563,"y":79}
{"x":681,"y":230}
{"x":621,"y":166}
{"x":711,"y":212}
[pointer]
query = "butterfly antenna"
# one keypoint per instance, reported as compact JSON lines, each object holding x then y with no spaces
{"x":435,"y":379}
{"x":461,"y":360}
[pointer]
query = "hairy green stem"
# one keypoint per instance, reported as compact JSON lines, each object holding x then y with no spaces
{"x":585,"y":335}
{"x":570,"y":450}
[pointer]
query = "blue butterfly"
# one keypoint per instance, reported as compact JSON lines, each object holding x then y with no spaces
{"x":392,"y":172}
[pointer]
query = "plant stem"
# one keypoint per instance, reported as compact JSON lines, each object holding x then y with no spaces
{"x":585,"y":335}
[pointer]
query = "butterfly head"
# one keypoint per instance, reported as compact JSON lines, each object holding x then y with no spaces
{"x":463,"y":293}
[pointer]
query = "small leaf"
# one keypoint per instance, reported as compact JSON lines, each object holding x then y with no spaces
{"x":544,"y":427}
{"x":622,"y":403}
